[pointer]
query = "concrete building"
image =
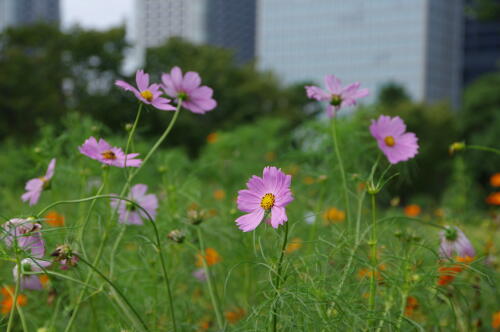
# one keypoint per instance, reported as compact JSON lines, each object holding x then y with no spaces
{"x":229,"y":24}
{"x":481,"y":48}
{"x":415,"y":43}
{"x":23,"y":12}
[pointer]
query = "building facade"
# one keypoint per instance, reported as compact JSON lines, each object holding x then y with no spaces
{"x":24,"y":12}
{"x":413,"y":43}
{"x":229,"y":24}
{"x":481,"y":48}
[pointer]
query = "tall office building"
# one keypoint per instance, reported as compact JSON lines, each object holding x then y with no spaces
{"x":415,"y":43}
{"x":23,"y":12}
{"x":481,"y":48}
{"x":229,"y":24}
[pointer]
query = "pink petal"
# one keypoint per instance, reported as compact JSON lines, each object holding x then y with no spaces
{"x":333,"y":84}
{"x":250,"y":221}
{"x":176,"y":77}
{"x":278,"y":216}
{"x":125,"y":86}
{"x":191,"y":81}
{"x":142,"y":80}
{"x":314,"y":92}
{"x":50,"y":169}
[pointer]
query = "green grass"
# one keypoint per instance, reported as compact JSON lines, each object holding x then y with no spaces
{"x":310,"y":297}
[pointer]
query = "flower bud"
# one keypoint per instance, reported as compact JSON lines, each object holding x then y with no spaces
{"x":65,"y":256}
{"x":176,"y":236}
{"x":457,"y":146}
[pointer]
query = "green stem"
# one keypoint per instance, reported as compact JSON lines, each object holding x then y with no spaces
{"x":277,"y":282}
{"x":211,"y":288}
{"x":118,"y":291}
{"x":160,"y":140}
{"x":82,"y":229}
{"x":483,"y":148}
{"x":355,"y":248}
{"x":373,"y":257}
{"x":158,"y":244}
{"x":132,"y":133}
{"x":16,"y":290}
{"x":342,"y":171}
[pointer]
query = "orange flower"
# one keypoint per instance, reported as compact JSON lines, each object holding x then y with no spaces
{"x":205,"y":324}
{"x":219,"y":194}
{"x":495,"y":320}
{"x":44,"y":279}
{"x":493,"y":199}
{"x":234,"y":316}
{"x":411,"y":305}
{"x":7,"y":302}
{"x":212,"y":257}
{"x":495,"y":180}
{"x":292,"y":170}
{"x":439,"y":213}
{"x":54,"y":219}
{"x":412,"y":210}
{"x":294,"y":245}
{"x":367,"y":273}
{"x":270,"y":156}
{"x":212,"y":138}
{"x":464,"y":260}
{"x":333,"y":215}
{"x":308,"y":180}
{"x":447,"y":274}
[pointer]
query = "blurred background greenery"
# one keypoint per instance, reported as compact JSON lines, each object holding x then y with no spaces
{"x":47,"y":76}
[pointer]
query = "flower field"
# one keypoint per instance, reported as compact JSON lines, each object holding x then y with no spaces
{"x":267,"y":229}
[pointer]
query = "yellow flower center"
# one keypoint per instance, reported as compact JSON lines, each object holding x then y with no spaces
{"x":389,"y":141}
{"x":148,"y":95}
{"x":110,"y":155}
{"x":267,"y":201}
{"x":336,"y":100}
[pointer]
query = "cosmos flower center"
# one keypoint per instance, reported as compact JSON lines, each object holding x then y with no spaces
{"x":182,"y":95}
{"x":148,"y":95}
{"x":389,"y":141}
{"x":109,"y":155}
{"x":336,"y":100}
{"x":451,"y":234}
{"x":130,"y":206}
{"x":267,"y":201}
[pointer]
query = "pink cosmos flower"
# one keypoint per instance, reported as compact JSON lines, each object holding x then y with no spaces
{"x":336,"y":95}
{"x":148,"y":94}
{"x":454,"y":242}
{"x":27,"y":234}
{"x":392,"y":139}
{"x":129,"y":213}
{"x":103,"y":152}
{"x":269,"y":194}
{"x":34,"y":187}
{"x":31,"y":281}
{"x":196,"y":98}
{"x":200,"y":275}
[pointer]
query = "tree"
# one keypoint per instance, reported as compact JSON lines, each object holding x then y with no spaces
{"x":243,"y":93}
{"x":45,"y":72}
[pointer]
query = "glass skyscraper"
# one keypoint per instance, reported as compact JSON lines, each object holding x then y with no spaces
{"x":481,"y":48}
{"x":229,"y":24}
{"x":23,"y":12}
{"x":416,"y":43}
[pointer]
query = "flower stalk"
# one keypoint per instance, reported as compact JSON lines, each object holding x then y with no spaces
{"x":342,"y":170}
{"x":278,"y":280}
{"x":373,"y":257}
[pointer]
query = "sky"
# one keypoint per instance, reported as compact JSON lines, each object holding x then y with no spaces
{"x":96,"y":14}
